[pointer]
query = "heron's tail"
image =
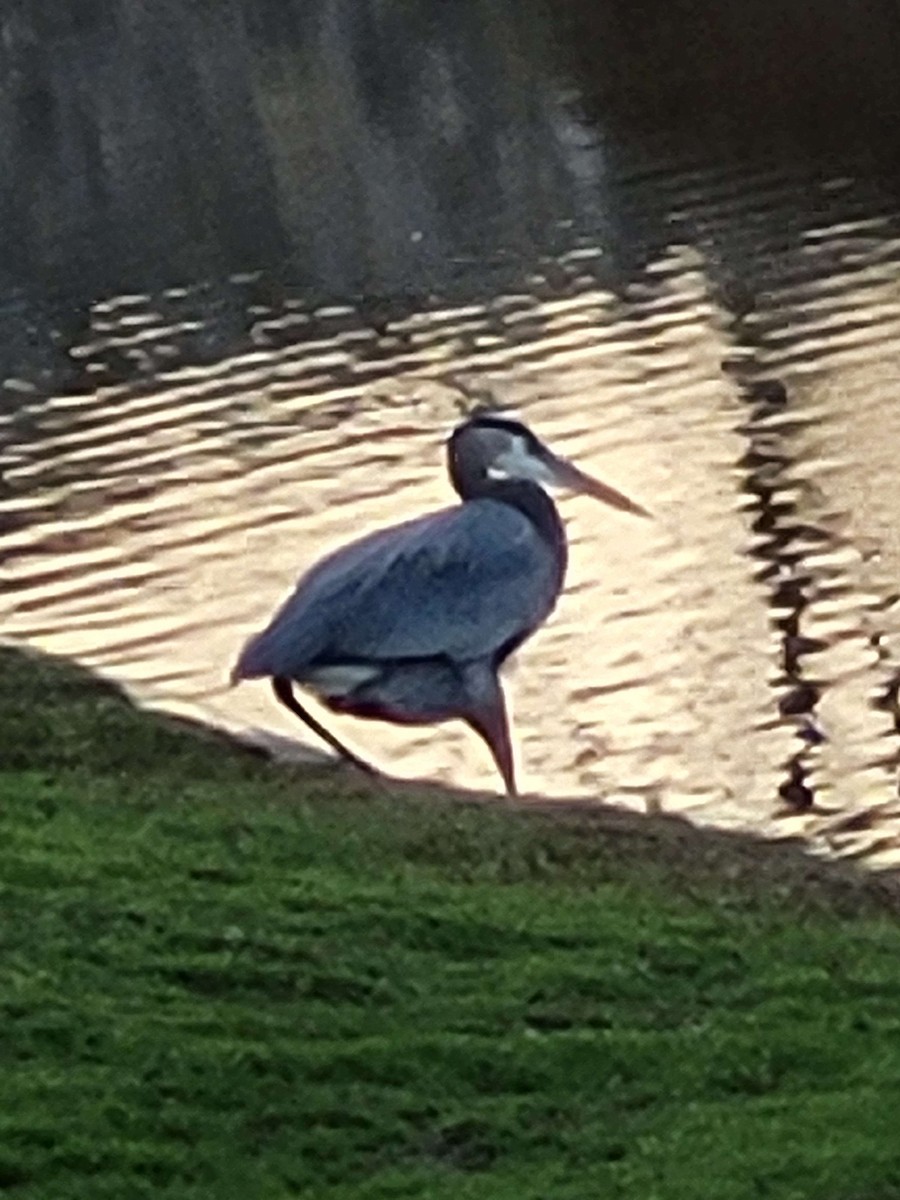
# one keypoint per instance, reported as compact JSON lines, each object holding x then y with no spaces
{"x":246,"y":667}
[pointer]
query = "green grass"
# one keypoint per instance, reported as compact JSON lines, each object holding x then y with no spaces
{"x":223,"y":979}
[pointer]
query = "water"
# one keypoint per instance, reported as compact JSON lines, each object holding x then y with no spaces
{"x":251,"y":263}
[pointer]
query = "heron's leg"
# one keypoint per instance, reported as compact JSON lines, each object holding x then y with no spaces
{"x":486,"y":714}
{"x":283,"y":690}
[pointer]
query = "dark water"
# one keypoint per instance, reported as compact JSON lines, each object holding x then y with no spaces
{"x":252,"y":251}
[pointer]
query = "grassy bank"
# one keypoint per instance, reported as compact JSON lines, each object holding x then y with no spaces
{"x":220,"y":979}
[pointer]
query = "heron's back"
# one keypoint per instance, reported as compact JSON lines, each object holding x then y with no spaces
{"x":459,"y":584}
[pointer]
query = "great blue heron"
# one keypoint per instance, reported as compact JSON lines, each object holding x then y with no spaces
{"x":411,"y":624}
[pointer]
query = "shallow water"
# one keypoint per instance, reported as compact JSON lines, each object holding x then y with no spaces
{"x":236,"y":325}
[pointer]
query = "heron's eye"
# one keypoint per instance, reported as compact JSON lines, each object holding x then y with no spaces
{"x":517,"y":461}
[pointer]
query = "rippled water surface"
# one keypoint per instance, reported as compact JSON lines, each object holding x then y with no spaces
{"x":236,"y":324}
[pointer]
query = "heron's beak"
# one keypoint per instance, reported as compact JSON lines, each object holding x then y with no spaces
{"x":565,"y":474}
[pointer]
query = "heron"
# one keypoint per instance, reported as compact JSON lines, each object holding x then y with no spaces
{"x":411,"y":624}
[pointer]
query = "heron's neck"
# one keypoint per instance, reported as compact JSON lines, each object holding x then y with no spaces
{"x":530,"y":499}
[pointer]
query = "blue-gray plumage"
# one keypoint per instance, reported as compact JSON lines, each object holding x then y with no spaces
{"x":412,"y":623}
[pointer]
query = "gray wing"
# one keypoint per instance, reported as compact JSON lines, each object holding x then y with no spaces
{"x":459,"y":583}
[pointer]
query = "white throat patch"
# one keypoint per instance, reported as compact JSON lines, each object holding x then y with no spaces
{"x":518,"y":462}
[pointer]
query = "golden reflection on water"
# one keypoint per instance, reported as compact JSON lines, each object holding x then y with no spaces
{"x":148,"y":530}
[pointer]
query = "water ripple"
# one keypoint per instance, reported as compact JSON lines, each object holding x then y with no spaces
{"x":737,"y":659}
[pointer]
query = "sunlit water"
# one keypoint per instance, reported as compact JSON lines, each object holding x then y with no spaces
{"x":726,"y":351}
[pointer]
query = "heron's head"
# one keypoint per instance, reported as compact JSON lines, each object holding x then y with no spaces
{"x":488,"y":447}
